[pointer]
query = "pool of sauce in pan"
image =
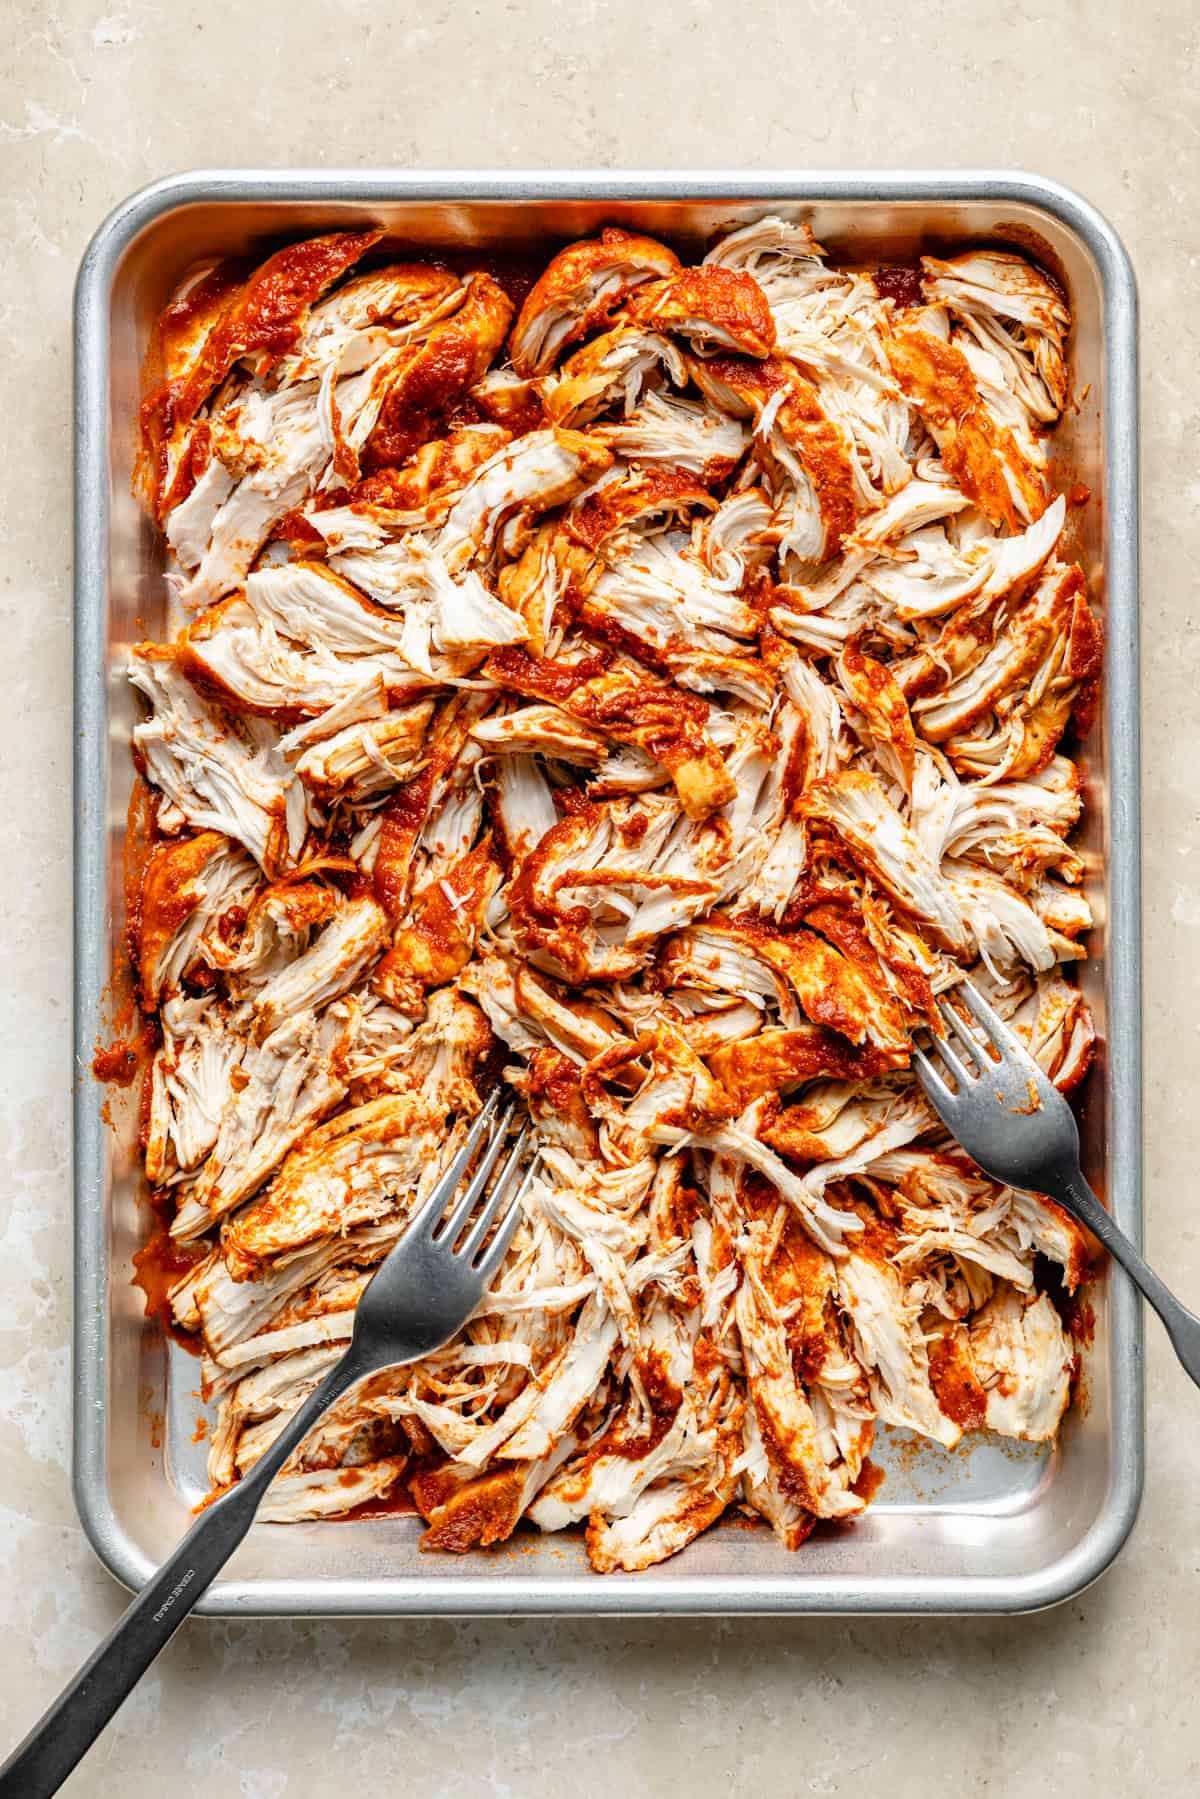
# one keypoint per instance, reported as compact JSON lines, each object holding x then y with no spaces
{"x":157,"y":1267}
{"x":398,"y":1504}
{"x":900,"y":282}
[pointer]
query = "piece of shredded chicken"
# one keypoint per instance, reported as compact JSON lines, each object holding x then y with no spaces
{"x":651,"y":697}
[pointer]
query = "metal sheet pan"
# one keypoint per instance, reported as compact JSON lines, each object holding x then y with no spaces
{"x":1000,"y":1528}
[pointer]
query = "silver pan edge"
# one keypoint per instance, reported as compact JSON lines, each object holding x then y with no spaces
{"x":1050,"y":1541}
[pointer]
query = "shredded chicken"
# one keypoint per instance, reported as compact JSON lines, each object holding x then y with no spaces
{"x":652,"y":702}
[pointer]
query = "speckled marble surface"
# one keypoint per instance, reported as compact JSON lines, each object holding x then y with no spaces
{"x":96,"y":99}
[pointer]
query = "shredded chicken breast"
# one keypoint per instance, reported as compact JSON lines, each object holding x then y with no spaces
{"x":651,"y":697}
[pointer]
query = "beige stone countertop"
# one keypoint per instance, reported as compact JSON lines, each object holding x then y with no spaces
{"x":98,"y":97}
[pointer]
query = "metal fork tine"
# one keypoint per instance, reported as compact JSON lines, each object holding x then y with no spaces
{"x":445,"y":1189}
{"x":495,"y":1200}
{"x":950,"y":1018}
{"x":455,"y":1219}
{"x":497,"y":1249}
{"x":950,"y":1057}
{"x":994,"y":1026}
{"x":933,"y":1076}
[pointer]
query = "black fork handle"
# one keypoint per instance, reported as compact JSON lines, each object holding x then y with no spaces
{"x":65,"y":1733}
{"x":1183,"y":1327}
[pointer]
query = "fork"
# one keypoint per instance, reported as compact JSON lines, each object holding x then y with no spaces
{"x":1012,"y":1120}
{"x":421,"y":1295}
